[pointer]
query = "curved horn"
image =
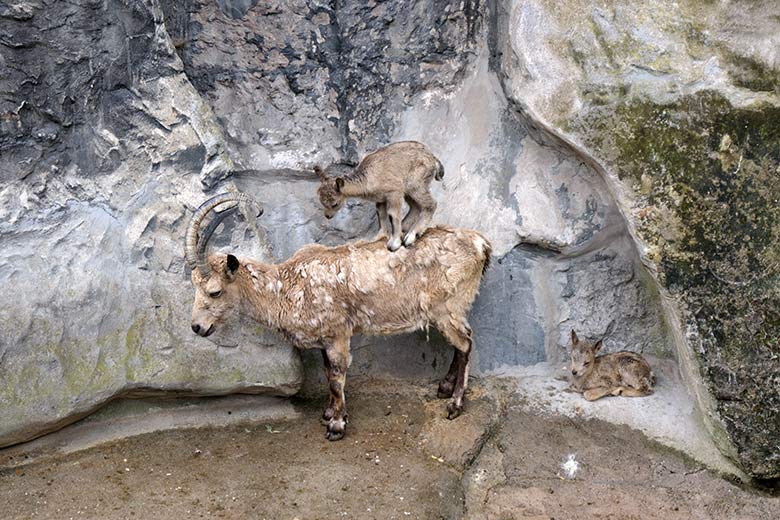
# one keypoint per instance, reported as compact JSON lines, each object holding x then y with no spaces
{"x":205,"y":235}
{"x":191,"y":250}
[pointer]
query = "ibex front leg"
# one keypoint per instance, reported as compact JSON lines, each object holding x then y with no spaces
{"x":327,"y":415}
{"x":459,"y":335}
{"x":338,"y":357}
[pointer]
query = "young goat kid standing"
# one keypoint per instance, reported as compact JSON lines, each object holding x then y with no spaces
{"x":400,"y":171}
{"x":620,"y":373}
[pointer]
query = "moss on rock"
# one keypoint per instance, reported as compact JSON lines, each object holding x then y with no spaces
{"x":707,"y":180}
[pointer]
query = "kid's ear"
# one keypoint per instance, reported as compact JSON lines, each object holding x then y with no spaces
{"x":339,"y":184}
{"x":574,"y":338}
{"x":320,"y":173}
{"x":597,"y":346}
{"x":231,"y":267}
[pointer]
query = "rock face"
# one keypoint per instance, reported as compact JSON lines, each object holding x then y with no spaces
{"x":103,"y":145}
{"x":115,"y":125}
{"x":677,"y":104}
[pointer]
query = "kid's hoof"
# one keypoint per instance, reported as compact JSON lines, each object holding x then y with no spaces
{"x":394,"y":244}
{"x":409,"y":239}
{"x":453,"y":411}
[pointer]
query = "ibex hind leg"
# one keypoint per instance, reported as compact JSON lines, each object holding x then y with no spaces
{"x":460,"y":338}
{"x":447,"y":385}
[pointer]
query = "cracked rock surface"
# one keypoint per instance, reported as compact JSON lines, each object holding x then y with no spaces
{"x":622,"y":161}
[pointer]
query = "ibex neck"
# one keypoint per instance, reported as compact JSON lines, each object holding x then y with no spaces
{"x":259,"y":292}
{"x":354,"y":185}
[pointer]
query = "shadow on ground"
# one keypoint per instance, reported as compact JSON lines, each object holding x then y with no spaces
{"x":400,"y":459}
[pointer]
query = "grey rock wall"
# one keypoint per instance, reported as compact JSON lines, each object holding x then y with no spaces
{"x":676,"y":105}
{"x":103,"y":145}
{"x":118,"y":123}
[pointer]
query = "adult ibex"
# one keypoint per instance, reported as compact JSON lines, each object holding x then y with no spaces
{"x":322,"y":296}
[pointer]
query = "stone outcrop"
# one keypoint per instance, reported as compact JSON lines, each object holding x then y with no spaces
{"x":583,"y":141}
{"x":676,"y":104}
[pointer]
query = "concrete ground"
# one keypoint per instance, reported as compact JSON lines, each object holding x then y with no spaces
{"x":507,"y":457}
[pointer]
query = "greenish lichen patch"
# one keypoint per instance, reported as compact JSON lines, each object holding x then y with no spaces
{"x":749,"y":73}
{"x":706,"y":177}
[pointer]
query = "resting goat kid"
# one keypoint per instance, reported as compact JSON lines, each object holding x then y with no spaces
{"x":620,"y":373}
{"x":322,"y":296}
{"x":399,"y":171}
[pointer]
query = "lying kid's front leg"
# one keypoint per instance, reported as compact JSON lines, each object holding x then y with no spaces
{"x":338,"y":357}
{"x":592,"y":394}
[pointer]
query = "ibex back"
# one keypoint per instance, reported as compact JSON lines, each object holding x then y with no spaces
{"x":322,"y":296}
{"x":398,"y":172}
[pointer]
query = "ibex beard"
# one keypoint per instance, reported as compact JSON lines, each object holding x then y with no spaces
{"x":321,"y":296}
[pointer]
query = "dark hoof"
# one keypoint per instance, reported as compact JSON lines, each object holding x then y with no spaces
{"x":334,"y":436}
{"x":453,"y":411}
{"x":336,"y":429}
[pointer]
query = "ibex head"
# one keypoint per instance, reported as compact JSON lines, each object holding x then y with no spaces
{"x":331,"y":197}
{"x":582,"y":355}
{"x":213,"y":277}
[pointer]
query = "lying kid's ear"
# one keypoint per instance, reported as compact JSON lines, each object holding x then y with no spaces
{"x":597,"y":346}
{"x":339,"y":184}
{"x":574,"y":338}
{"x":231,"y":266}
{"x":320,"y":172}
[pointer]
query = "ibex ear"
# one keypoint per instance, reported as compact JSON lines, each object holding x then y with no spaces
{"x":339,"y":184}
{"x":574,"y":338}
{"x":320,"y":173}
{"x":597,"y":346}
{"x":231,"y":267}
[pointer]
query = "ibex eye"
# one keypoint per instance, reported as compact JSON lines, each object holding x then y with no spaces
{"x":215,"y":294}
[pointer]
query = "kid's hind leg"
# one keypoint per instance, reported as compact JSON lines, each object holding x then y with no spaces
{"x":460,"y":338}
{"x":427,"y":207}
